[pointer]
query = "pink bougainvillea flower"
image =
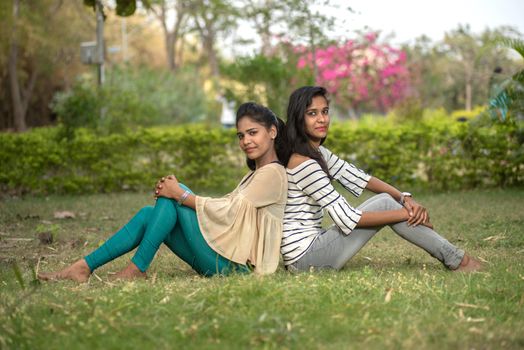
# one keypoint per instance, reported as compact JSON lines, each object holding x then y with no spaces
{"x":360,"y":73}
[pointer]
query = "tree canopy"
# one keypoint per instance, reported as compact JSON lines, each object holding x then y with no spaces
{"x":248,"y":49}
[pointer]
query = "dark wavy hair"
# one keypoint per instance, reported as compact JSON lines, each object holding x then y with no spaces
{"x":267,"y":118}
{"x":298,"y":140}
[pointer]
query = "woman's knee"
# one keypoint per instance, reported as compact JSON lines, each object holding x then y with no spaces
{"x":390,"y":202}
{"x":384,"y":196}
{"x":146,"y":211}
{"x":143,"y":215}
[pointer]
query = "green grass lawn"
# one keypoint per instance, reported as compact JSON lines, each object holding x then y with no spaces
{"x":391,"y":295}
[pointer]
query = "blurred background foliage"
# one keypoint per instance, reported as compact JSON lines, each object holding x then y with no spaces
{"x":435,"y":153}
{"x":132,"y":97}
{"x":170,"y":64}
{"x":199,"y":52}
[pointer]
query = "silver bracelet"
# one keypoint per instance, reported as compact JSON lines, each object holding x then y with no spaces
{"x":183,"y":198}
{"x":403,"y":196}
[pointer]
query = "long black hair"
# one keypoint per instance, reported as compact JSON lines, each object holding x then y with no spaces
{"x":298,"y":140}
{"x":267,"y":118}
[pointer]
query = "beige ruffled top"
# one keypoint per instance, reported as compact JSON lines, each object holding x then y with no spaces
{"x":246,"y":225}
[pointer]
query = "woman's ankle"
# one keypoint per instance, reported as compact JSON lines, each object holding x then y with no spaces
{"x":131,"y":271}
{"x":469,"y":264}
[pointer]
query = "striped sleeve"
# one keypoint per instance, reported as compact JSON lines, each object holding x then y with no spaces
{"x":314,"y":182}
{"x":349,"y":176}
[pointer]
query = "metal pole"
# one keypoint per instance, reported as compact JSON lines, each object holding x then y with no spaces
{"x":124,"y":40}
{"x":100,"y":41}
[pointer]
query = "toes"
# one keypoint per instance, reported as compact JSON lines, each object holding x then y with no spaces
{"x":47,"y":276}
{"x":43,"y":277}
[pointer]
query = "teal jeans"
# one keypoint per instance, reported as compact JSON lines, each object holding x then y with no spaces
{"x":170,"y":223}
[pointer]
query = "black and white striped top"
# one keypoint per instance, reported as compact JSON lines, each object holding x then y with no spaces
{"x":310,"y":192}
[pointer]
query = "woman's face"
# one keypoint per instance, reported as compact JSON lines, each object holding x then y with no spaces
{"x":316,"y":119}
{"x":254,"y":138}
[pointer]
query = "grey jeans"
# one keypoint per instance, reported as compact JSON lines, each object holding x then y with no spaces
{"x":333,"y":249}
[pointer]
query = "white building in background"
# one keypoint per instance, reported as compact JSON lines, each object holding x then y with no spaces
{"x":227,"y":118}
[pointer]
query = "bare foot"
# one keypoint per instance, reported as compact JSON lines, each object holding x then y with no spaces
{"x":469,"y":264}
{"x":130,"y":272}
{"x":78,"y":272}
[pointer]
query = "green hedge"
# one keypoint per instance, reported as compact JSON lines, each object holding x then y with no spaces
{"x":41,"y":161}
{"x":436,"y":155}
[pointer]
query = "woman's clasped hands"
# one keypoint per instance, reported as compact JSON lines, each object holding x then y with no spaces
{"x":417,"y":213}
{"x":167,"y":187}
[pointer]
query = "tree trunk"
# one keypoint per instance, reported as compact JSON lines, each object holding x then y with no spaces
{"x":212,"y":55}
{"x":171,"y":37}
{"x":313,"y":48}
{"x":314,"y":61}
{"x":180,"y":52}
{"x":265,"y":30}
{"x":16,"y":98}
{"x":176,"y":33}
{"x":469,"y":71}
{"x":168,"y":38}
{"x":469,"y":95}
{"x":207,"y":34}
{"x":170,"y":50}
{"x":19,"y":111}
{"x":265,"y":36}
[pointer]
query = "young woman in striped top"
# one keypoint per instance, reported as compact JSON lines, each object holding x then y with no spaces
{"x":239,"y":232}
{"x":311,"y":169}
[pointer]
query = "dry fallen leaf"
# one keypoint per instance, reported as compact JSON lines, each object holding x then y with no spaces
{"x":475,"y":330}
{"x":97,"y":277}
{"x":485,"y":307}
{"x":387,"y":298}
{"x":495,"y":237}
{"x":64,"y":215}
{"x":153,"y":279}
{"x":461,"y":314}
{"x":482,"y":259}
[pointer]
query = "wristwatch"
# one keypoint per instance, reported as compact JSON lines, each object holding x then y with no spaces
{"x":403,"y":196}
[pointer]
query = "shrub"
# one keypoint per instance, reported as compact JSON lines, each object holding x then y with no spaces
{"x":434,"y":153}
{"x":130,"y":98}
{"x":78,"y":107}
{"x":42,"y":161}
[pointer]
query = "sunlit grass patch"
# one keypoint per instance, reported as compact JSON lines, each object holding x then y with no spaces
{"x":391,"y":295}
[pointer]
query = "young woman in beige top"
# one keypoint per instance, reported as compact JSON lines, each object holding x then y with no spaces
{"x":238,"y":232}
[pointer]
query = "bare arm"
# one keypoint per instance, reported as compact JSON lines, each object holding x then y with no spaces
{"x":355,"y":180}
{"x":379,"y":186}
{"x":379,"y":218}
{"x":417,"y":214}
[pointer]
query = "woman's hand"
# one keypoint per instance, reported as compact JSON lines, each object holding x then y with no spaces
{"x":428,"y":224}
{"x":168,"y":187}
{"x":417,"y":213}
